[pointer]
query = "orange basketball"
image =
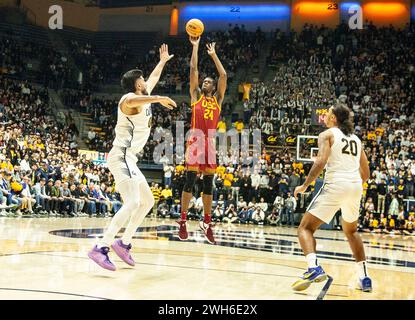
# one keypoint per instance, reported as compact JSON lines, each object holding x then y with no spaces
{"x":194,"y":27}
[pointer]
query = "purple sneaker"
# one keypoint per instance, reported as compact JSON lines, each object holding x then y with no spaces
{"x":100,"y":256}
{"x":123,"y":251}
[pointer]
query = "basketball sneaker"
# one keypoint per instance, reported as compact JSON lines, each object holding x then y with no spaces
{"x":207,"y":231}
{"x":123,"y":251}
{"x":365,"y":284}
{"x":183,"y":235}
{"x":311,"y":275}
{"x":100,"y":257}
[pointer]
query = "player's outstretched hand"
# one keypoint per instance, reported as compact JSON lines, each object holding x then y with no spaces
{"x":194,"y":40}
{"x":211,"y":48}
{"x":168,"y":103}
{"x":164,"y":53}
{"x":299,"y":189}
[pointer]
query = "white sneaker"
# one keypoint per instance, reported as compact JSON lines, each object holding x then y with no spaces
{"x":3,"y":213}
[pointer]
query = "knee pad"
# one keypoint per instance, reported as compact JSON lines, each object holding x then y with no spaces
{"x":190,"y":181}
{"x":208,"y":185}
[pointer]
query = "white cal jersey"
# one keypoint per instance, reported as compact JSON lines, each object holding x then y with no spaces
{"x":132,"y":132}
{"x":343,"y":164}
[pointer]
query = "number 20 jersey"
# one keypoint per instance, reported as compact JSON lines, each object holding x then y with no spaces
{"x":343,"y":164}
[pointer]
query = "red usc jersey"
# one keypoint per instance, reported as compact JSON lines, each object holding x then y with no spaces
{"x":205,"y":114}
{"x":205,"y":117}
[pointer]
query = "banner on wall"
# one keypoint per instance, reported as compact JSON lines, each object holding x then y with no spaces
{"x":317,"y":115}
{"x":271,"y":139}
{"x":291,"y":140}
{"x":94,"y":156}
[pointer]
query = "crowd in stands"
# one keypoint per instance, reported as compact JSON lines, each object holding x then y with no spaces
{"x":41,"y":173}
{"x":104,"y":114}
{"x":318,"y":67}
{"x":18,"y":58}
{"x":99,"y":68}
{"x":236,"y":48}
{"x":264,"y":196}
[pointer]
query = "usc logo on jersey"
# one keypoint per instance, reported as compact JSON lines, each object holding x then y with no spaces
{"x":209,"y":106}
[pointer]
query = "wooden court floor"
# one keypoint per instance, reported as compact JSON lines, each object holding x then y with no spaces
{"x":46,"y":258}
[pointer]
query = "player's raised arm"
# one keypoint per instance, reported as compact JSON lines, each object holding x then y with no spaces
{"x":155,"y":75}
{"x":194,"y":73}
{"x":136,"y":101}
{"x":324,"y":149}
{"x":364,"y":167}
{"x":221,"y":88}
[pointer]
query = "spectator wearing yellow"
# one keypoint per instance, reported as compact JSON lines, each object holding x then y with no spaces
{"x":373,"y":223}
{"x":365,"y":186}
{"x":155,"y":190}
{"x":167,"y":195}
{"x":6,"y":165}
{"x":221,"y":126}
{"x":371,"y":135}
{"x":379,"y":131}
{"x":227,"y":180}
{"x":391,"y":224}
{"x":239,"y":125}
{"x":409,"y":226}
{"x":179,"y":168}
{"x":220,"y":170}
{"x":247,"y":88}
{"x":383,"y":223}
{"x":39,"y":144}
{"x":312,"y":186}
{"x":299,"y":166}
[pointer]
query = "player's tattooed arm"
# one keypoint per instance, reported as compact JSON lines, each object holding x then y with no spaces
{"x":325,"y":140}
{"x":155,"y":75}
{"x":194,"y":73}
{"x":223,"y":77}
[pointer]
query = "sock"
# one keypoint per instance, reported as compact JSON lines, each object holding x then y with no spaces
{"x":362,"y":269}
{"x":312,"y":260}
{"x":207,"y":219}
{"x":184,"y":215}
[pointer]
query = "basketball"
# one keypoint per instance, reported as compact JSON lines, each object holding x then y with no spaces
{"x":194,"y":27}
